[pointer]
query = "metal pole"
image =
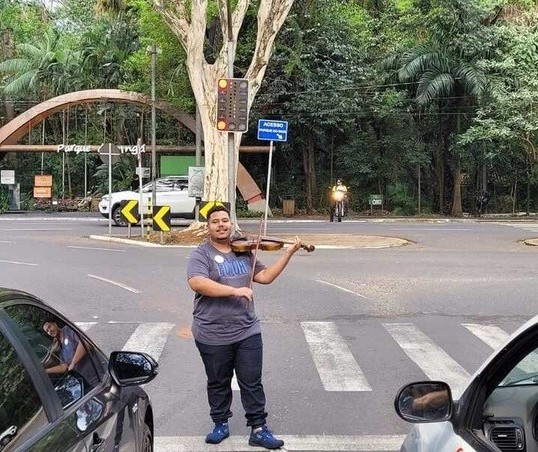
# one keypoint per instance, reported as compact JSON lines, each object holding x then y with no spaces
{"x":419,"y":188}
{"x":153,"y":127}
{"x":141,"y":196}
{"x":198,"y":158}
{"x":109,"y":189}
{"x":231,"y":135}
{"x":268,"y":185}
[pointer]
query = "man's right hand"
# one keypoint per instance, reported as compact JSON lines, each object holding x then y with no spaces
{"x":245,"y":292}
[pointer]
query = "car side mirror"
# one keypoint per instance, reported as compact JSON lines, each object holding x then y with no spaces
{"x":429,"y":401}
{"x":132,"y":368}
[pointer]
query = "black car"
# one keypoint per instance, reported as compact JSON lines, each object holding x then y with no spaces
{"x":59,"y":392}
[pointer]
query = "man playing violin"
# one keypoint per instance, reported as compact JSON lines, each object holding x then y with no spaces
{"x":226,"y":329}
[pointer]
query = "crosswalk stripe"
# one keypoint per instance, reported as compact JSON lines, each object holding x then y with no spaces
{"x":495,"y":337}
{"x":360,"y":443}
{"x":490,"y":334}
{"x":334,"y":362}
{"x":149,"y":338}
{"x":85,"y":326}
{"x":235,"y":384}
{"x":433,"y":360}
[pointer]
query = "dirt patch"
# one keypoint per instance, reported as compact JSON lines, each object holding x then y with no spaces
{"x":189,"y":236}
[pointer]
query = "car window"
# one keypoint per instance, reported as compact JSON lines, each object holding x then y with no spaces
{"x":21,"y":411}
{"x":523,"y":373}
{"x":180,"y":185}
{"x":164,"y":185}
{"x":66,"y":358}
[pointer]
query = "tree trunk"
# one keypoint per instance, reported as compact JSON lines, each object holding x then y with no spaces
{"x":7,"y":52}
{"x":189,"y":24}
{"x":440,"y":172}
{"x":310,"y":173}
{"x":457,"y":210}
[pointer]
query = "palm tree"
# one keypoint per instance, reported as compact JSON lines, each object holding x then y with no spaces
{"x":452,"y":83}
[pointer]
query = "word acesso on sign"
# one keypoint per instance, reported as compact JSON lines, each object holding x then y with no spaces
{"x":77,"y":148}
{"x":268,"y":126}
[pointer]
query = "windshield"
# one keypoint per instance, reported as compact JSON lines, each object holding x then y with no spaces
{"x":163,"y":185}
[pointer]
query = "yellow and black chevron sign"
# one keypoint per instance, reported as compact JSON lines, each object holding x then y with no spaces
{"x":205,"y":207}
{"x":129,"y":211}
{"x":161,"y":218}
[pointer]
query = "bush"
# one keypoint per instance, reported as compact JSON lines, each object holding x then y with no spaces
{"x":403,"y":202}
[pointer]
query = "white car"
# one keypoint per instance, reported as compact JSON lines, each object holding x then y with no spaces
{"x":497,"y":411}
{"x":171,"y":191}
{"x":7,"y":435}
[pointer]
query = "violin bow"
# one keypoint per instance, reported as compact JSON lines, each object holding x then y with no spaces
{"x":255,"y":254}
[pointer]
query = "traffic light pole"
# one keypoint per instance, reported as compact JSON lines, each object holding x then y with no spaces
{"x":231,"y":147}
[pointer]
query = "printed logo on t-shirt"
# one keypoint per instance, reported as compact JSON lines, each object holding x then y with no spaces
{"x":219,"y":259}
{"x":233,"y":268}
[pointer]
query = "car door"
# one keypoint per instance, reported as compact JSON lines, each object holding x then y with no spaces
{"x":28,"y":413}
{"x":166,"y":195}
{"x":184,"y":204}
{"x":92,"y":410}
{"x":501,"y":402}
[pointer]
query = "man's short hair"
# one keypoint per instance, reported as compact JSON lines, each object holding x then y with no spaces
{"x":217,"y":208}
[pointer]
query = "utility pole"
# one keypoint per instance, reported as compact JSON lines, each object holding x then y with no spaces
{"x":231,"y":135}
{"x":153,"y":50}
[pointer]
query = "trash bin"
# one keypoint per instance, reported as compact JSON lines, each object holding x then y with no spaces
{"x":288,"y":207}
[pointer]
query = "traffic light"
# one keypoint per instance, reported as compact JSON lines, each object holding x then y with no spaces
{"x":232,"y":105}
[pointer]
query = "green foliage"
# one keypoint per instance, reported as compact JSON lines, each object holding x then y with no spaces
{"x":457,"y":80}
{"x":4,"y":201}
{"x":401,"y":200}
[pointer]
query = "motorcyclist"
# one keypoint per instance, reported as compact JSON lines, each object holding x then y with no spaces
{"x":338,"y":188}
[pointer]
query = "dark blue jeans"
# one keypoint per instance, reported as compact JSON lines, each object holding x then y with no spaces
{"x":220,"y":361}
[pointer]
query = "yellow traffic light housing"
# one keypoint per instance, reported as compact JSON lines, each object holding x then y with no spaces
{"x":232,"y":105}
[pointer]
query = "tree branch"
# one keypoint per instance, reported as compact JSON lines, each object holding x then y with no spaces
{"x":175,"y":15}
{"x":271,"y":16}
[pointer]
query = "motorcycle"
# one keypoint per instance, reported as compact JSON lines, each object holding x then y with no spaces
{"x":338,"y":206}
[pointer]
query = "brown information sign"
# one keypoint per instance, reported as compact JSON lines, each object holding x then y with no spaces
{"x":42,"y":192}
{"x":43,"y":180}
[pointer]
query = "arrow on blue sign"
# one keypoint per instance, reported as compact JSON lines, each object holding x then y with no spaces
{"x":271,"y":130}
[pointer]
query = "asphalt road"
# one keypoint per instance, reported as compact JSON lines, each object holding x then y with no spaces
{"x":339,"y":325}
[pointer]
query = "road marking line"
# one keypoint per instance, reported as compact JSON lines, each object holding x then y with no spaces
{"x":149,"y":338}
{"x":123,"y":286}
{"x":432,"y":359}
{"x":334,"y":362}
{"x":36,"y":229}
{"x":85,"y":326}
{"x":19,"y":263}
{"x":440,"y":229}
{"x":495,"y":337}
{"x":235,"y":384}
{"x":123,"y":322}
{"x":339,"y":287}
{"x":93,"y":248}
{"x":359,"y":443}
{"x":490,"y":334}
{"x":6,"y":241}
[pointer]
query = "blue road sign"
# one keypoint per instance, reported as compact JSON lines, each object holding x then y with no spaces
{"x":270,"y":130}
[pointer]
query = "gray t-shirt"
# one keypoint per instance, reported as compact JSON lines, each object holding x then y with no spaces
{"x":222,"y":320}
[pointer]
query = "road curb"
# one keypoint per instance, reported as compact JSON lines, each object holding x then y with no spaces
{"x":354,"y":242}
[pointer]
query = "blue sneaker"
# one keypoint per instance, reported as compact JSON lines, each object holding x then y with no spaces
{"x":264,"y":438}
{"x":219,"y":433}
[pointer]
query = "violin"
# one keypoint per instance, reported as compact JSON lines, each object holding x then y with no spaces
{"x":242,"y":244}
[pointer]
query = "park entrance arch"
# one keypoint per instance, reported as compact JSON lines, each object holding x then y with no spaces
{"x":13,"y":131}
